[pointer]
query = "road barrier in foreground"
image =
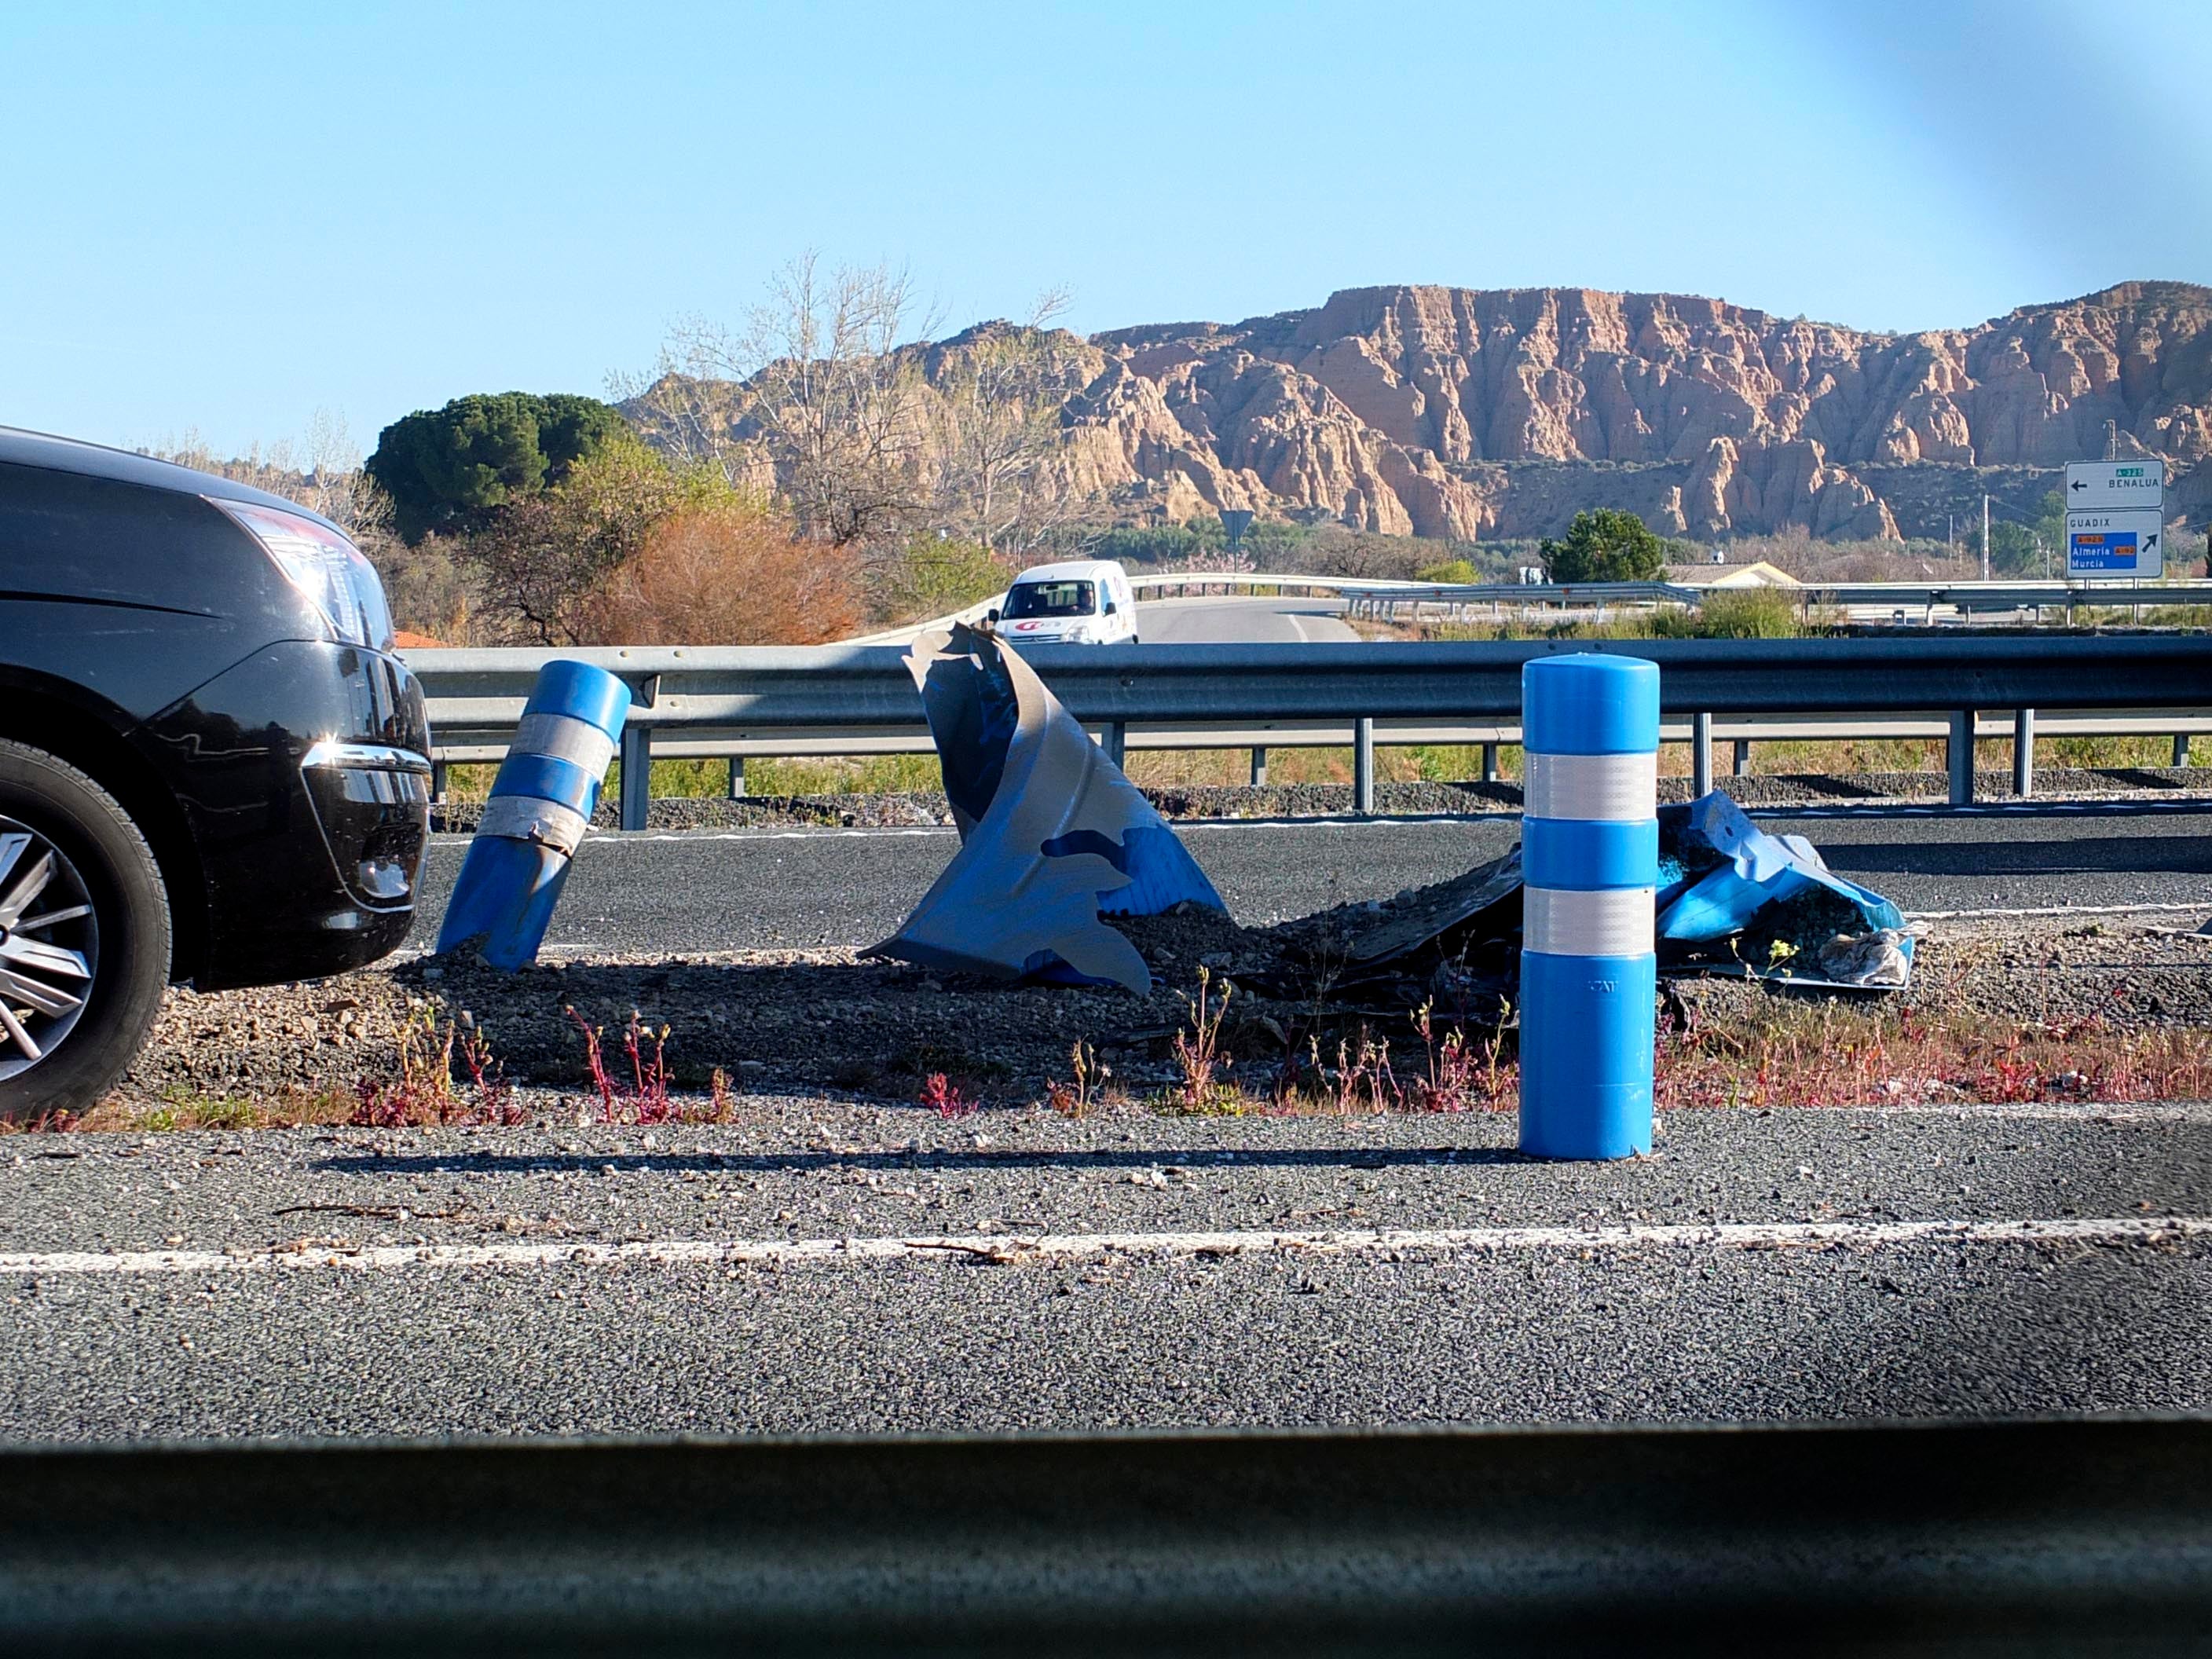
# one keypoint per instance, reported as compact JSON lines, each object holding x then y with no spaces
{"x":2042,"y":1536}
{"x":540,"y":806}
{"x":1590,"y":856}
{"x":736,"y":700}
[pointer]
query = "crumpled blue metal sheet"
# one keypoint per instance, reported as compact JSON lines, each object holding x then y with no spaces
{"x":1702,"y":903}
{"x":1052,"y":835}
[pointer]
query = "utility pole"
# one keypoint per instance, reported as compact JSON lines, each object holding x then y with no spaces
{"x":1985,"y":535}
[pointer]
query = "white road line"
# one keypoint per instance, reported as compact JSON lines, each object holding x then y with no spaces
{"x":1009,"y":1248}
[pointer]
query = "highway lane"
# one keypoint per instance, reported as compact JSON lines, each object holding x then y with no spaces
{"x":1240,"y":621}
{"x":768,"y":888}
{"x":753,"y":1277}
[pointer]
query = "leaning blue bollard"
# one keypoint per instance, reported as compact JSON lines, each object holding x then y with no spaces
{"x":540,"y":804}
{"x":1589,"y":852}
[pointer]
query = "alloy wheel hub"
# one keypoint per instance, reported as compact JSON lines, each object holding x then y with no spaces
{"x":49,"y":947}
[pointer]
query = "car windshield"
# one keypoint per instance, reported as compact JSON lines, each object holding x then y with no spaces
{"x":1050,"y":599}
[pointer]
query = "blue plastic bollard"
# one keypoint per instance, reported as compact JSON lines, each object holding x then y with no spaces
{"x":1590,"y":854}
{"x":540,"y":805}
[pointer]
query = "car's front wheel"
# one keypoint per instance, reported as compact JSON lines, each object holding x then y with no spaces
{"x":84,"y":936}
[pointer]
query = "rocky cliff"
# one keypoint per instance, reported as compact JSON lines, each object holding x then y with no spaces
{"x":1458,"y":412}
{"x":1499,"y":413}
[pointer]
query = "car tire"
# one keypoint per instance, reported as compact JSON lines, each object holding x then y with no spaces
{"x":96,"y":861}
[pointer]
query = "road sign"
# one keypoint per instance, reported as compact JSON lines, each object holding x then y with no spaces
{"x":2128,"y":543}
{"x":2106,"y":486}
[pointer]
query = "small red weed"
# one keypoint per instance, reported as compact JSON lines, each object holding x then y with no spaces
{"x":940,"y":1092}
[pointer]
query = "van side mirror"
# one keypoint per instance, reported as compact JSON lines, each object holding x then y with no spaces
{"x":1109,"y":608}
{"x":991,"y":616}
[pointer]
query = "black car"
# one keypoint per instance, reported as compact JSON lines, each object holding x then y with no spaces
{"x":213,"y":769}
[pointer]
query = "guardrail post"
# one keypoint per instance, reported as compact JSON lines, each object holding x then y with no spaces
{"x":1116,"y":741}
{"x":737,"y":777}
{"x":636,"y":775}
{"x":1701,"y":754}
{"x":1490,"y":763}
{"x":1259,"y":768}
{"x":2023,"y":752}
{"x":1362,"y":765}
{"x":438,"y":776}
{"x":2181,"y":749}
{"x":1739,"y":762}
{"x":1959,"y":755}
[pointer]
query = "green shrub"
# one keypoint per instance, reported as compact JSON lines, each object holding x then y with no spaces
{"x":1605,"y":544}
{"x":451,"y":468}
{"x":1748,"y":613}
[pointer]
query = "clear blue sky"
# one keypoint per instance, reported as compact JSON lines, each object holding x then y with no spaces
{"x":225,"y":217}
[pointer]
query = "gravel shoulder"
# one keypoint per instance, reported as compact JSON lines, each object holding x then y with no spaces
{"x":827,"y":1021}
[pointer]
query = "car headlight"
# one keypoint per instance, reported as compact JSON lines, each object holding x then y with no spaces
{"x":324,"y":566}
{"x":1080,"y":635}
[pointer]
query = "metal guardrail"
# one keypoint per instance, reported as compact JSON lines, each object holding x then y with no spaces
{"x":2043,"y":1536}
{"x":1455,"y":601}
{"x":744,"y":694}
{"x":1452,"y":602}
{"x":1395,"y":600}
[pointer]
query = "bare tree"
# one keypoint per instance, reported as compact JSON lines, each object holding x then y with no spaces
{"x":690,"y":410}
{"x":1002,"y":479}
{"x":815,"y":383}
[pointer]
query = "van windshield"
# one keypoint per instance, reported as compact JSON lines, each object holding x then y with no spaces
{"x":1050,"y":599}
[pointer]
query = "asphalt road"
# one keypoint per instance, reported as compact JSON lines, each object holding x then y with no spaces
{"x":756,"y":1278}
{"x":1240,"y":621}
{"x":767,"y":889}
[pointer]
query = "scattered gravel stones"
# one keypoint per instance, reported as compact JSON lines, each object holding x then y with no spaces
{"x":826,"y":1021}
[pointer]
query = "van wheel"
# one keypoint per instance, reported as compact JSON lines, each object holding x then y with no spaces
{"x":84,"y":936}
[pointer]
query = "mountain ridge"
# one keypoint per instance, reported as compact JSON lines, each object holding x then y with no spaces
{"x":1497,"y":413}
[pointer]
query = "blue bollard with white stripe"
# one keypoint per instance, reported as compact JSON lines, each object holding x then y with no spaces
{"x":1589,"y":858}
{"x":540,"y":805}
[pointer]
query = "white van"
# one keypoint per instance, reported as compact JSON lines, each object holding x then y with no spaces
{"x":1083,"y":602}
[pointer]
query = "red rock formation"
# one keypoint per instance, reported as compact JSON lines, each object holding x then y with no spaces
{"x":1377,"y":408}
{"x":1461,"y":412}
